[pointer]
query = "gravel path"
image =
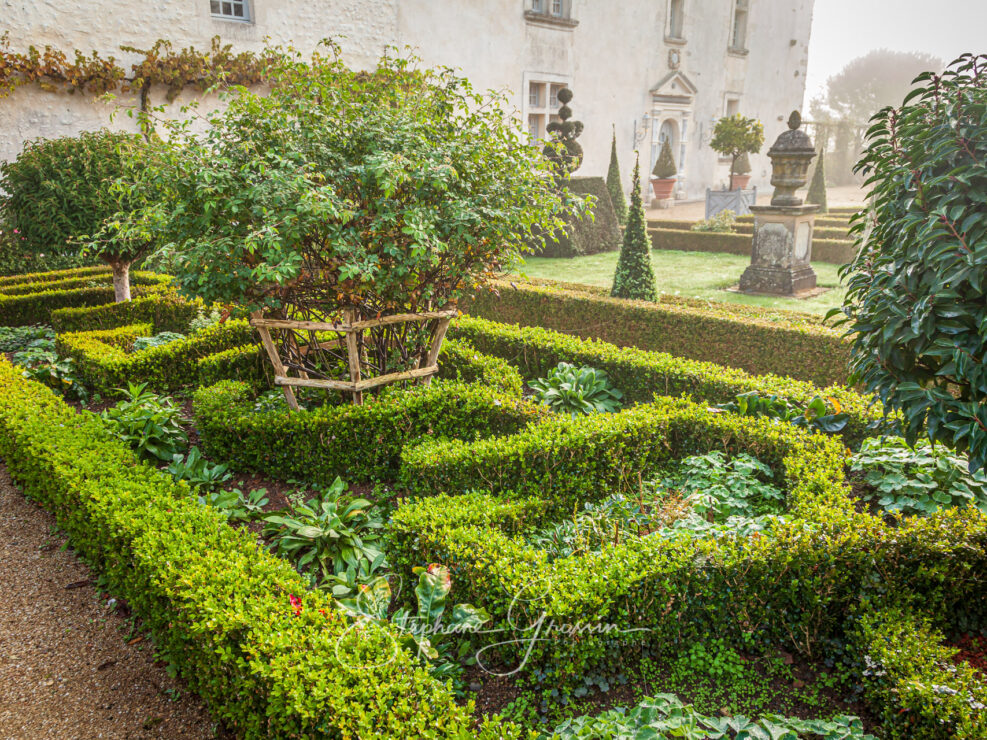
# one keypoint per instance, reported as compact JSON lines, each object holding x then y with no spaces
{"x":69,"y":667}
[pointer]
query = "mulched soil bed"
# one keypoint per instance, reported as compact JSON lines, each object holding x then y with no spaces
{"x":71,"y":664}
{"x":973,"y":650}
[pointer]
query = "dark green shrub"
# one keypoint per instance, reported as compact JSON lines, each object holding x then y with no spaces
{"x":635,"y":277}
{"x":147,"y":422}
{"x":664,"y":168}
{"x":916,"y":296}
{"x":836,"y":251}
{"x":615,"y":184}
{"x":62,"y":191}
{"x":165,"y":311}
{"x":817,"y":188}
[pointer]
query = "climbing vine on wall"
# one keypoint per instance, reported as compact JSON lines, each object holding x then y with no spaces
{"x":53,"y":70}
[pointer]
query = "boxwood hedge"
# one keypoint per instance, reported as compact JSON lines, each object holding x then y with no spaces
{"x":104,"y":362}
{"x":55,"y":275}
{"x":215,"y":603}
{"x":641,"y":374}
{"x":26,"y":303}
{"x":361,"y":443}
{"x":167,"y":311}
{"x":797,"y":585}
{"x":837,"y":251}
{"x":757,"y":340}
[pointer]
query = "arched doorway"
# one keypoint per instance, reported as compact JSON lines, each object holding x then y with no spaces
{"x":667,"y":131}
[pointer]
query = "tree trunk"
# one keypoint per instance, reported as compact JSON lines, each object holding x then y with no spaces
{"x":121,"y":281}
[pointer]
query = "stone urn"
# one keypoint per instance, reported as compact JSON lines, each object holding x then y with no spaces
{"x":790,"y":157}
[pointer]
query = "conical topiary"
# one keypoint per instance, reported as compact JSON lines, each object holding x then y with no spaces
{"x":742,"y":165}
{"x":635,"y":277}
{"x":614,"y":185}
{"x":665,"y":168}
{"x":817,"y":188}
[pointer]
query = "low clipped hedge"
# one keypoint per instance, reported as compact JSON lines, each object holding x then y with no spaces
{"x":913,"y":682}
{"x":797,"y":586}
{"x":754,"y":339}
{"x":167,"y":311}
{"x":747,"y":227}
{"x":105,"y":364}
{"x":247,"y":363}
{"x":55,"y":275}
{"x":837,"y":251}
{"x":640,"y":375}
{"x":21,"y":308}
{"x":216,"y":604}
{"x":360,"y":443}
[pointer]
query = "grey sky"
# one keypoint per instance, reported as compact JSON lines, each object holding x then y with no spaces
{"x":845,"y":29}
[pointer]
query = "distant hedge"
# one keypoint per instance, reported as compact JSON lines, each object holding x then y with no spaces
{"x":746,"y":227}
{"x":23,"y":303}
{"x":823,"y":250}
{"x":54,"y":275}
{"x":754,"y":339}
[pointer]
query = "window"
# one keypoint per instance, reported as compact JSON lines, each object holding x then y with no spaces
{"x":557,"y":8}
{"x":537,"y":6}
{"x":236,"y":10}
{"x":551,"y":8}
{"x":732,"y":106}
{"x":543,"y":106}
{"x":676,"y":18}
{"x":738,"y":39}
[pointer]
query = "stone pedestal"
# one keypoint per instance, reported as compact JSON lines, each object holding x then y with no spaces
{"x":782,"y":251}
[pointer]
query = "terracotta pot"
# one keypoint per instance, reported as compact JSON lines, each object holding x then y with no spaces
{"x":663,"y":188}
{"x":739,"y":182}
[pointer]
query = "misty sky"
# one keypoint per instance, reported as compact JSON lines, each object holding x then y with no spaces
{"x":845,"y":29}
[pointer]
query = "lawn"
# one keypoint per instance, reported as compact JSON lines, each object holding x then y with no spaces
{"x":693,"y":274}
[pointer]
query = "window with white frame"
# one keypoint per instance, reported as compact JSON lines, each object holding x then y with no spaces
{"x":732,"y":107}
{"x":553,"y":8}
{"x":738,"y":37}
{"x":234,"y":10}
{"x":543,"y":106}
{"x":676,"y":18}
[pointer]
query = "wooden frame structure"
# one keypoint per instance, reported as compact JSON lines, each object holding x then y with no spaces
{"x":351,"y":329}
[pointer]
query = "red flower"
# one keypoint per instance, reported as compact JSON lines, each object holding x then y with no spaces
{"x":296,"y":603}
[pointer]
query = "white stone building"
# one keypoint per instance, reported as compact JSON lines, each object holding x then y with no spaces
{"x":650,"y":68}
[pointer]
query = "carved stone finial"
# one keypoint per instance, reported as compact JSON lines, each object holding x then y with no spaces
{"x":795,"y":120}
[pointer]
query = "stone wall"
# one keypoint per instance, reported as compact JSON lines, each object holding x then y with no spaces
{"x":611,"y":57}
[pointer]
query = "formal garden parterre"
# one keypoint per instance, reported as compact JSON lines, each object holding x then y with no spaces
{"x":549,"y":536}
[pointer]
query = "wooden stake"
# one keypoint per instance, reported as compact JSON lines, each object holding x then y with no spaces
{"x":433,"y":354}
{"x":353,"y":351}
{"x":272,"y":353}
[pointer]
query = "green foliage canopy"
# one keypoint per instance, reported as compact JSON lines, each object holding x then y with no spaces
{"x":917,"y":290}
{"x":736,"y":135}
{"x":399,"y":188}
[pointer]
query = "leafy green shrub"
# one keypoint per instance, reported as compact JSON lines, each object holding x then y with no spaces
{"x":913,"y":681}
{"x":916,"y":303}
{"x":664,"y":715}
{"x":736,"y":135}
{"x":41,"y":362}
{"x":197,"y":471}
{"x":919,"y":479}
{"x":17,"y":259}
{"x":722,"y":223}
{"x":576,"y":391}
{"x":816,"y":414}
{"x":327,"y":534}
{"x":399,"y":144}
{"x":149,"y":423}
{"x":235,"y":505}
{"x":158,"y":340}
{"x":207,"y":593}
{"x":635,"y":277}
{"x":62,"y":191}
{"x":14,"y":339}
{"x":719,"y":488}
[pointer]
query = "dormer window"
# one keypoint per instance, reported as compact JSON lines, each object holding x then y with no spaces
{"x":230,"y":10}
